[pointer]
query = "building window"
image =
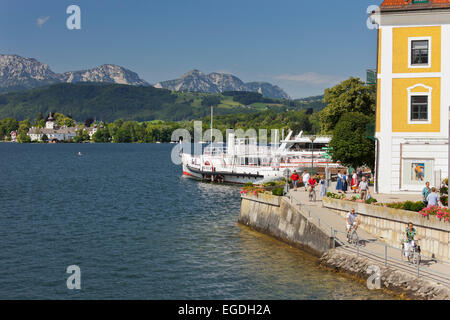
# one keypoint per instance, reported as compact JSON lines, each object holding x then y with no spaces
{"x":419,"y":108}
{"x":419,"y":52}
{"x":419,"y":104}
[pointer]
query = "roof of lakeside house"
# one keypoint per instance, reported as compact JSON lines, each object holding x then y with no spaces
{"x":65,"y":130}
{"x":401,"y":5}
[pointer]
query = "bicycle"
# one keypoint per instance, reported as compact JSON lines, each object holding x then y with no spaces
{"x":352,"y":236}
{"x":414,"y":256}
{"x":312,"y":195}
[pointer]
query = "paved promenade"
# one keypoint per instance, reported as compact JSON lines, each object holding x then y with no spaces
{"x":371,"y":247}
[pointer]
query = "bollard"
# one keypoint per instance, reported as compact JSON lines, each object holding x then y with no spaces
{"x":385,"y":255}
{"x":319,"y":222}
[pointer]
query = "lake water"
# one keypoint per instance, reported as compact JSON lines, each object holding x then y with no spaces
{"x":138,"y":230}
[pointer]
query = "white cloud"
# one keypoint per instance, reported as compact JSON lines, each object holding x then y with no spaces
{"x":41,"y":21}
{"x":311,"y":78}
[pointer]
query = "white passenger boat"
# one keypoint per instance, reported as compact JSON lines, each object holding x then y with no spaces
{"x":242,"y":160}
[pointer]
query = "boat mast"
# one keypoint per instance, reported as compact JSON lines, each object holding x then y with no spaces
{"x":212,"y":124}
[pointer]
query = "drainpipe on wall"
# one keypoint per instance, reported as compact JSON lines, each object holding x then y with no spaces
{"x":377,"y":146}
{"x":377,"y":142}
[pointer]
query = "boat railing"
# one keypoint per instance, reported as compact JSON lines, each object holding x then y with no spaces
{"x":215,"y":151}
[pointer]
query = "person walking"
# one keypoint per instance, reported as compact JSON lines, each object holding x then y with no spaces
{"x":425,"y":192}
{"x":295,"y":177}
{"x":323,"y":187}
{"x":363,"y":188}
{"x":433,"y":198}
{"x":360,"y":175}
{"x":354,"y":183}
{"x":305,"y":178}
{"x":344,"y":183}
{"x":339,"y":183}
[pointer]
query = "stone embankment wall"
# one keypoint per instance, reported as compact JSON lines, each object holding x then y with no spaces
{"x":389,"y":278}
{"x":276,"y":217}
{"x":390,"y":224}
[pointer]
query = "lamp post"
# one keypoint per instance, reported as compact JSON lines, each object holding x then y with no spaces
{"x":287,"y":173}
{"x":312,"y":155}
{"x":448,"y":168}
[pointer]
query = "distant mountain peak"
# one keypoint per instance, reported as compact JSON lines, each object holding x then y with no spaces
{"x":109,"y":73}
{"x":217,"y":82}
{"x":193,"y":72}
{"x":18,"y":73}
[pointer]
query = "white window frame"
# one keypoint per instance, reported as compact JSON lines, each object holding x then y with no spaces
{"x":419,"y":66}
{"x":425,"y":93}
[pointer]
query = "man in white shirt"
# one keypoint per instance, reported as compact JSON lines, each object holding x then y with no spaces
{"x":305,"y":178}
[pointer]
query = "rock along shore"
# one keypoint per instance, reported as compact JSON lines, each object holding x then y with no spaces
{"x":390,"y":278}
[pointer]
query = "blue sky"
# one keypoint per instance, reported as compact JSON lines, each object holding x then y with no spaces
{"x":302,"y":46}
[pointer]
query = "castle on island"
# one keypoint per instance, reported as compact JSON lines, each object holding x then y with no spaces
{"x":55,"y":133}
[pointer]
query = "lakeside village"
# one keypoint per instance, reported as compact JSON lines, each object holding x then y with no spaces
{"x":58,"y":128}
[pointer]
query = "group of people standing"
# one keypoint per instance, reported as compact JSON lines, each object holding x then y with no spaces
{"x":357,"y":183}
{"x":309,"y":182}
{"x":430,"y":196}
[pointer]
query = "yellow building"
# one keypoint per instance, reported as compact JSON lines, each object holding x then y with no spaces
{"x":413,"y":94}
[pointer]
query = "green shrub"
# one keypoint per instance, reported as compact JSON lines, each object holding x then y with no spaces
{"x":371,"y":200}
{"x":417,"y":206}
{"x":248,"y":184}
{"x":413,"y":206}
{"x":335,"y":196}
{"x":407,"y":205}
{"x":395,"y":205}
{"x":278,"y":192}
{"x":269,"y":184}
{"x":444,"y":200}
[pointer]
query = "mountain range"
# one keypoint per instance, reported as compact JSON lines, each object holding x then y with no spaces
{"x":215,"y":82}
{"x":18,"y":73}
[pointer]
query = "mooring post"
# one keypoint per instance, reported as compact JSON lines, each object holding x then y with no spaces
{"x":385,"y":255}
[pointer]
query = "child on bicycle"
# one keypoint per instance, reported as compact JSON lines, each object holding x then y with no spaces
{"x":352,"y":220}
{"x":311,"y":185}
{"x":409,"y":242}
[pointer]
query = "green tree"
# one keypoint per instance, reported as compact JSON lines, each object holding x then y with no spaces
{"x":81,"y":136}
{"x":22,"y":132}
{"x":22,"y":137}
{"x":39,"y":119}
{"x":122,"y":135}
{"x":351,"y":95}
{"x":102,"y":135}
{"x":349,"y":142}
{"x":6,"y":126}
